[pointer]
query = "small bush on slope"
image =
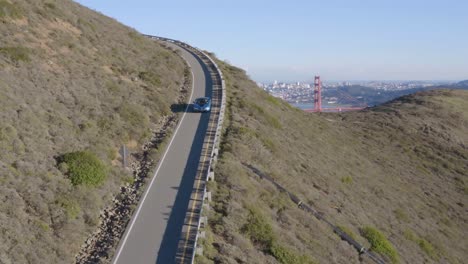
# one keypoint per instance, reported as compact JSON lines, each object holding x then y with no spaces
{"x":84,"y":168}
{"x":379,"y":243}
{"x":9,"y":10}
{"x":258,"y":229}
{"x":16,"y":54}
{"x":261,"y":234}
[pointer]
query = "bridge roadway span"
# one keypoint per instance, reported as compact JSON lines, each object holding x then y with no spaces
{"x":163,"y":226}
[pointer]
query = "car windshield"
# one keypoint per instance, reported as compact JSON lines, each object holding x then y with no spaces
{"x":201,"y":101}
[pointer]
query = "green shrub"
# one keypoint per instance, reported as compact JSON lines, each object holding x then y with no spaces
{"x":150,"y":77}
{"x":128,"y":180}
{"x":8,"y":9}
{"x":273,"y":100}
{"x":245,"y":131}
{"x":63,"y":167}
{"x":105,"y":123}
{"x":84,"y":168}
{"x":82,"y":24}
{"x":257,"y":108}
{"x":401,"y":215}
{"x":347,"y":180}
{"x":379,"y":243}
{"x":268,"y":143}
{"x":134,"y":114}
{"x":408,"y":234}
{"x":200,"y":259}
{"x":209,"y":250}
{"x":259,"y":229}
{"x":347,"y":231}
{"x":112,"y":153}
{"x":287,"y":256}
{"x":112,"y":86}
{"x":261,"y":233}
{"x":427,"y":247}
{"x":16,"y":54}
{"x":251,"y":133}
{"x":7,"y":133}
{"x":50,"y":5}
{"x":273,"y":121}
{"x":134,"y":35}
{"x":270,"y":119}
{"x":72,"y":208}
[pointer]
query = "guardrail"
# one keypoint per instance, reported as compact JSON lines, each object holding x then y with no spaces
{"x":217,"y":112}
{"x":215,"y":148}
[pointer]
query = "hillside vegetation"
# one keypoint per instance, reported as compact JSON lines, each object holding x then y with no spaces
{"x":394,"y":177}
{"x":74,"y":87}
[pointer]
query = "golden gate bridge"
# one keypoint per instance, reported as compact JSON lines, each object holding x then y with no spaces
{"x":318,"y":101}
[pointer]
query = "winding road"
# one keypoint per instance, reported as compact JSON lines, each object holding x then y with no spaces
{"x":156,"y":228}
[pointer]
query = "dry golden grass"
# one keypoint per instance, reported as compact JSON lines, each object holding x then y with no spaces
{"x":69,"y":81}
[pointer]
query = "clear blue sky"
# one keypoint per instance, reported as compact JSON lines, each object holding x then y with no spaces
{"x":295,"y":40}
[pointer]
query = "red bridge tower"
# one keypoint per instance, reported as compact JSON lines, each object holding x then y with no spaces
{"x":317,"y":94}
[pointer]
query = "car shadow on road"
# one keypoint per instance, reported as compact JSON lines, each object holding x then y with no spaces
{"x":172,"y":235}
{"x":180,"y":108}
{"x":168,"y":250}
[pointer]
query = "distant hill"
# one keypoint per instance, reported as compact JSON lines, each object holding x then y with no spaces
{"x":362,"y":95}
{"x":398,"y":169}
{"x":462,"y":84}
{"x":70,"y":80}
{"x":367,"y":96}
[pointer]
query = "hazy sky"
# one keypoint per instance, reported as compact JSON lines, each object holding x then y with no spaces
{"x":295,"y":40}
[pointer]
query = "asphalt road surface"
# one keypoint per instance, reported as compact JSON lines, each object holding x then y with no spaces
{"x":154,"y":231}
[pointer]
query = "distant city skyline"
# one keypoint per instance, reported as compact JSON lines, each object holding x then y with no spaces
{"x":375,"y":84}
{"x":295,"y":40}
{"x":358,"y":81}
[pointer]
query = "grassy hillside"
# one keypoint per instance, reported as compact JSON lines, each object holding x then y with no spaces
{"x":394,"y":177}
{"x":74,"y":87}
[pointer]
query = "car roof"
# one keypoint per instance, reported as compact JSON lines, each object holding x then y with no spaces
{"x":206,"y":98}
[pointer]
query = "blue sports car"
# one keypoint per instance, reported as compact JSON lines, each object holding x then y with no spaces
{"x":202,"y":104}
